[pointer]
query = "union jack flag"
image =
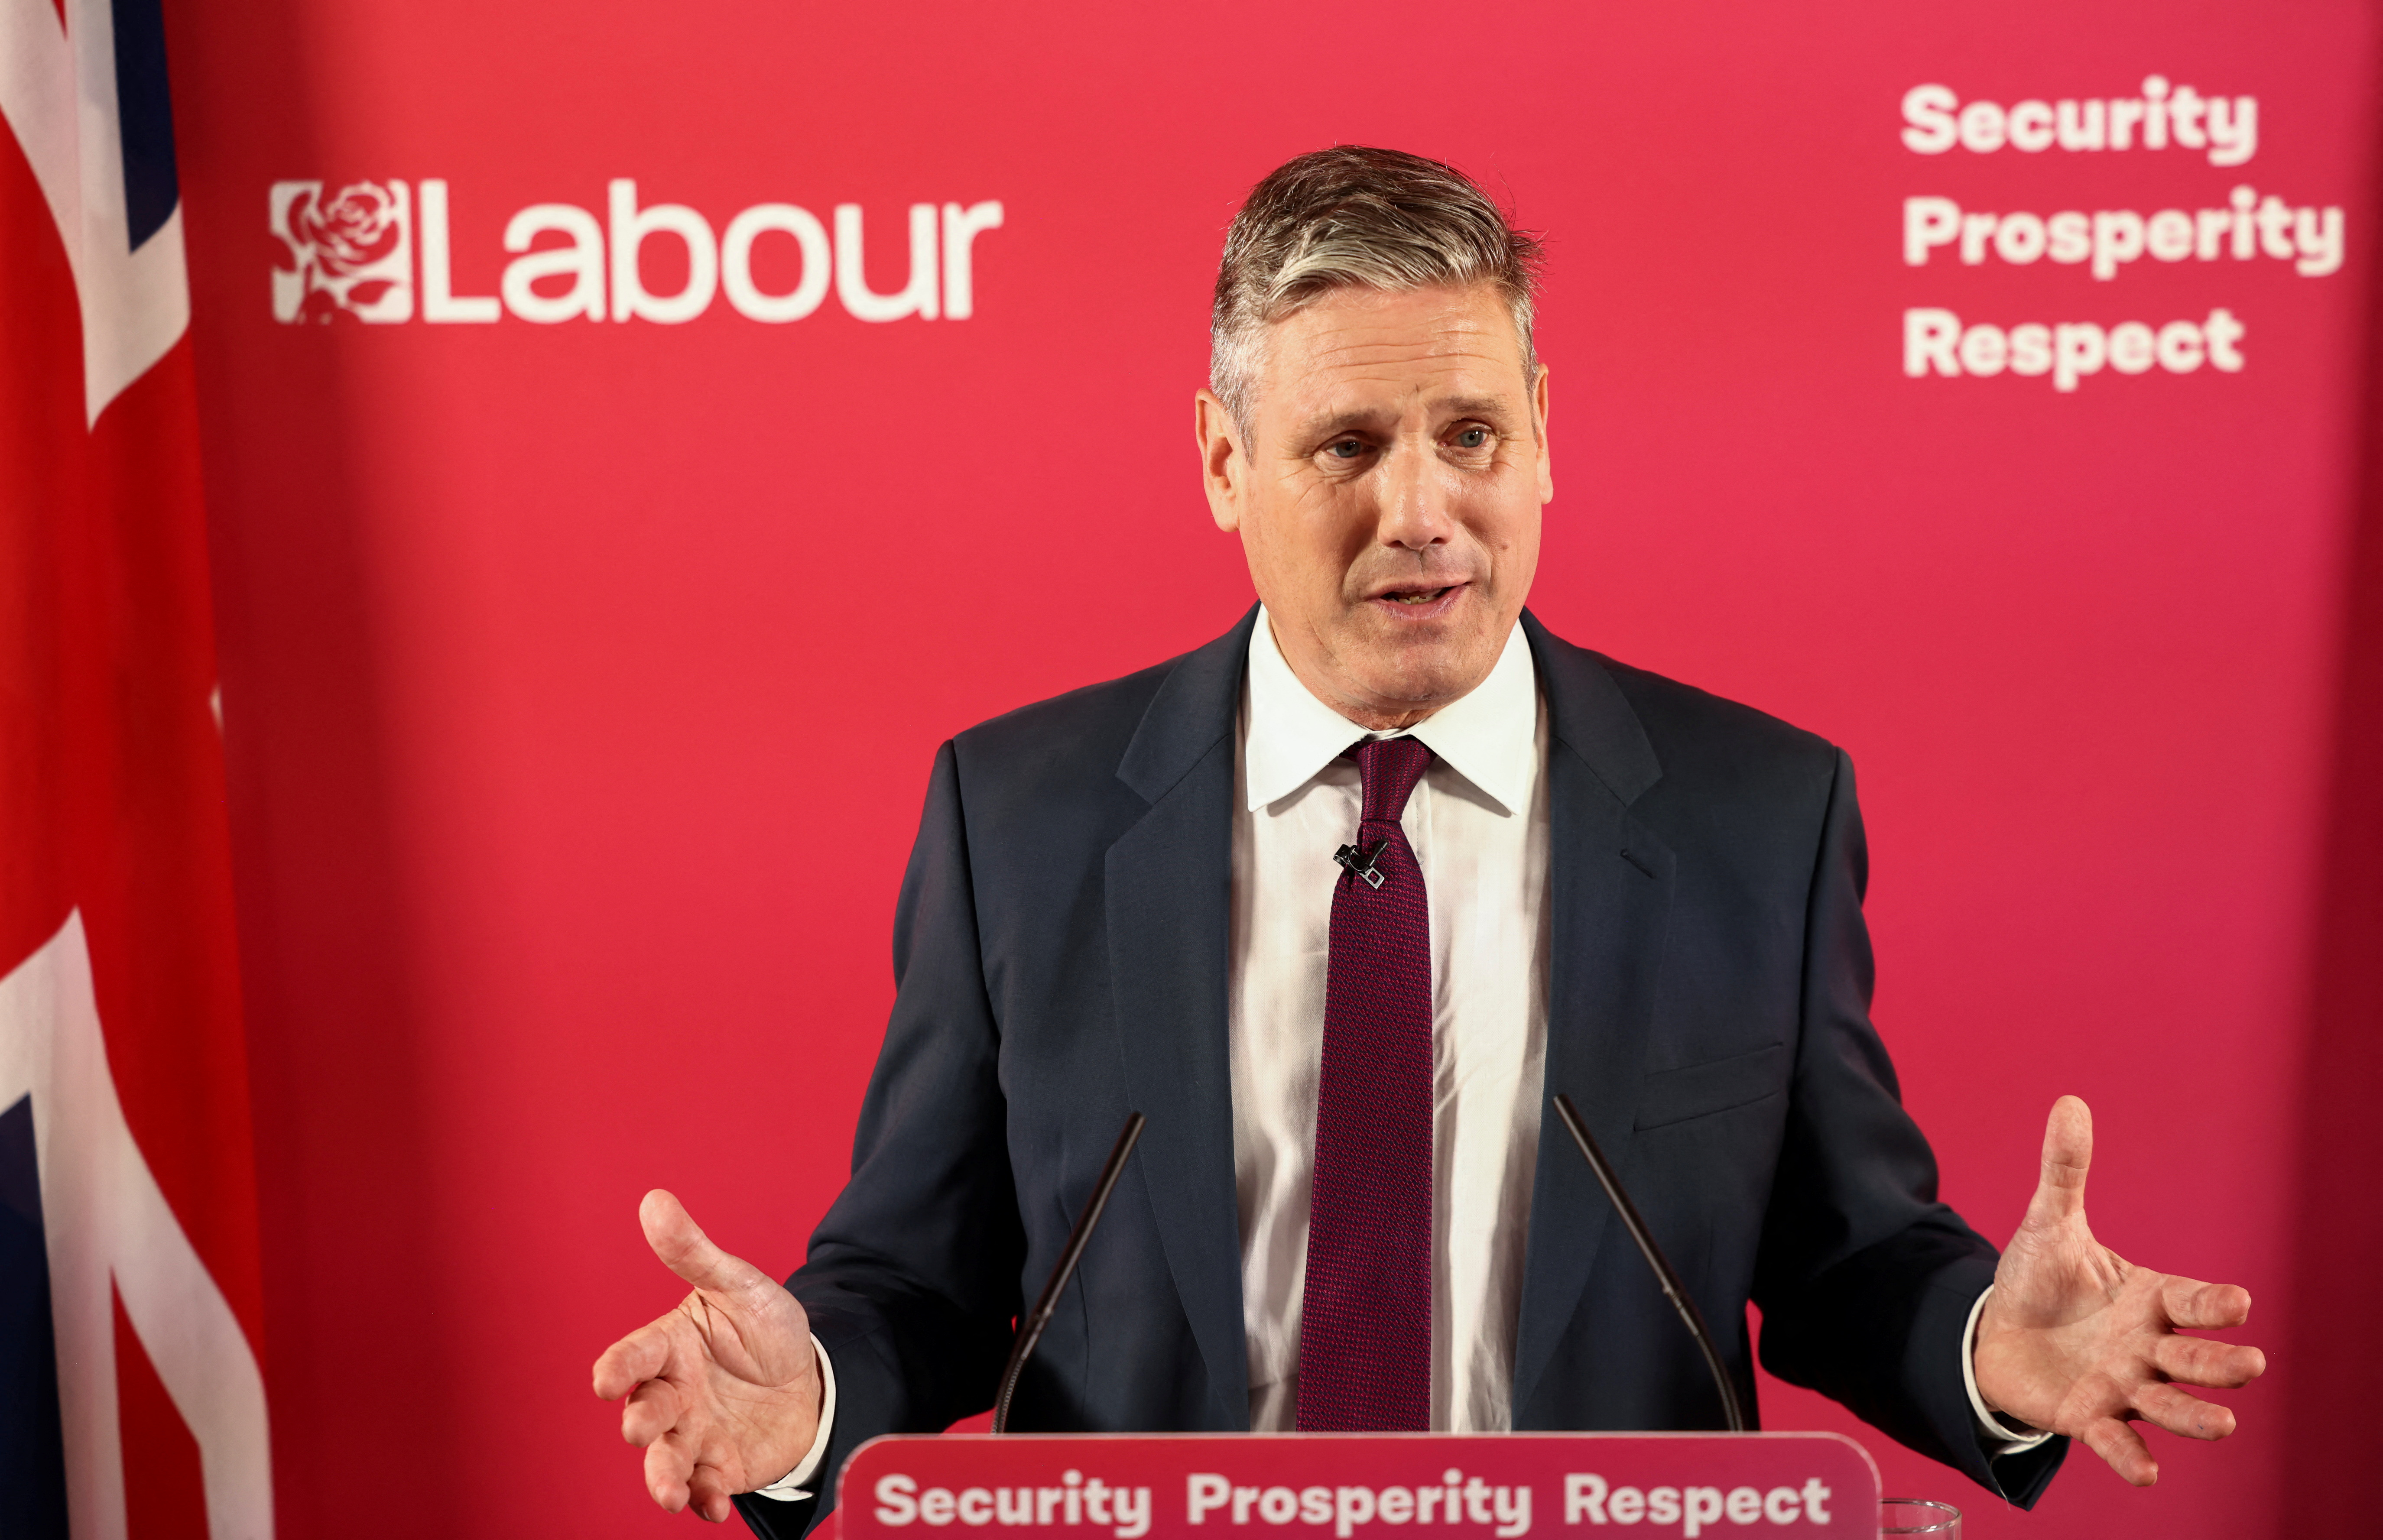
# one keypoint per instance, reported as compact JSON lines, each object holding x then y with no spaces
{"x":132,"y":1401}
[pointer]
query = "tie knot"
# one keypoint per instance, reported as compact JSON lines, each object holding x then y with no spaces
{"x":1390,"y":769}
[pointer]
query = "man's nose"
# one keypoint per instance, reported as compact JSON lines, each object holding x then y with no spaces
{"x":1417,"y":499}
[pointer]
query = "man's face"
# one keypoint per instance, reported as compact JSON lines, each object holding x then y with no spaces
{"x":1388,"y":496}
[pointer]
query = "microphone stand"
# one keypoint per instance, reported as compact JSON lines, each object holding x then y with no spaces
{"x":1030,"y":1329}
{"x":1674,"y":1290}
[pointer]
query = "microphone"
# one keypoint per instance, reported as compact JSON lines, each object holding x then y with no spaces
{"x":1674,"y":1290}
{"x":1029,"y":1329}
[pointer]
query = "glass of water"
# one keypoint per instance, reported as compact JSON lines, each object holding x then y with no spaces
{"x":1919,"y":1516}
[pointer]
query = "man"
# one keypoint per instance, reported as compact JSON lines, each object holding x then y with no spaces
{"x":1336,"y":902}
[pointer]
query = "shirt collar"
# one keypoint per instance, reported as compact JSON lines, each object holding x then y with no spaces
{"x":1487,"y":737}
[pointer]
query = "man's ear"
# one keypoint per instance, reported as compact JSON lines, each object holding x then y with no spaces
{"x":1539,"y":429}
{"x":1224,"y":469}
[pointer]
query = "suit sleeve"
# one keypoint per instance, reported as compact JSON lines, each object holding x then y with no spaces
{"x":911,"y":1280}
{"x":1865,"y":1280}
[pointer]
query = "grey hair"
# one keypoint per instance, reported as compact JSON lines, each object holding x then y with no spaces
{"x":1352,"y":216}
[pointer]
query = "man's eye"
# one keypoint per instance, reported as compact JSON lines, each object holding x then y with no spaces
{"x":1345,"y":449}
{"x":1472,"y":438}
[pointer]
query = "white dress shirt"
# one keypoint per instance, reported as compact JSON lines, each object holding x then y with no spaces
{"x":1478,"y":823}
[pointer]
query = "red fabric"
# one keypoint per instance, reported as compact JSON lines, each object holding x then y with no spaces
{"x":164,"y":1480}
{"x":2334,"y":1333}
{"x":1364,"y":1338}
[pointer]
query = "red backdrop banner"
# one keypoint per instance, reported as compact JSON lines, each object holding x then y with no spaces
{"x":634,"y":437}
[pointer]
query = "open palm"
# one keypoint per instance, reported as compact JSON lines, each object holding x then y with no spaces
{"x":2077,"y":1339}
{"x":724,"y":1392}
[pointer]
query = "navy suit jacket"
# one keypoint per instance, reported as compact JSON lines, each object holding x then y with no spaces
{"x":1060,"y":952}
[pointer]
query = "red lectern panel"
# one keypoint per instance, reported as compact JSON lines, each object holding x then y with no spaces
{"x":1355,"y":1486}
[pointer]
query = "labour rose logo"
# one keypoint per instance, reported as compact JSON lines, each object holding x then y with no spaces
{"x":352,"y":251}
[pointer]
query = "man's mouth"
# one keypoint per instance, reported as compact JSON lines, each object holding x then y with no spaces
{"x":1421,"y":602}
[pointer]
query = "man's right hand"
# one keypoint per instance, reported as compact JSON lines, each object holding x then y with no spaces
{"x":723,"y":1391}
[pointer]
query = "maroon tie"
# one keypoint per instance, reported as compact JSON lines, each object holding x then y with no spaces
{"x":1364,"y":1334}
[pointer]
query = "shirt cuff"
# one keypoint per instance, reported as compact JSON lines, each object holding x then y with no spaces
{"x":2003,"y":1439}
{"x":795,"y":1486}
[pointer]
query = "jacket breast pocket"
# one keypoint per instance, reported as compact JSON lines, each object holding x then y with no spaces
{"x":1716,"y":1086}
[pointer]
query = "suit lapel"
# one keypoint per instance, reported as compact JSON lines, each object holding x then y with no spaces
{"x":1610,"y":885}
{"x":1168,"y":882}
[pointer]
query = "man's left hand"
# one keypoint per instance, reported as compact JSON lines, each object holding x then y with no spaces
{"x":2077,"y":1339}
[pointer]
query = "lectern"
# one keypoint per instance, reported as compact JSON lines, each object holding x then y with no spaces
{"x":1360,"y":1486}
